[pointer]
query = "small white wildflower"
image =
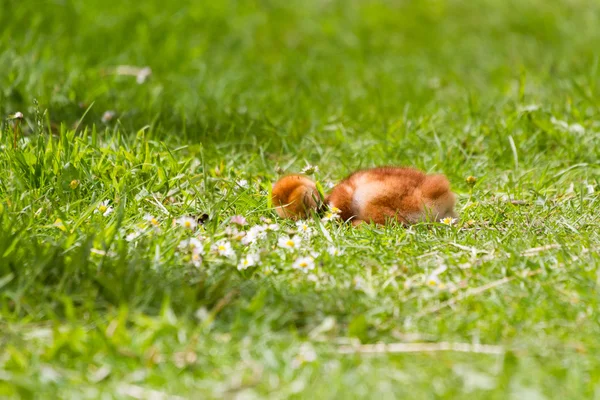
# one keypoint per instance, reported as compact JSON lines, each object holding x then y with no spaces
{"x":329,"y":216}
{"x":253,"y":234}
{"x":449,"y":221}
{"x":18,"y":115}
{"x":271,"y":227}
{"x":108,"y":116}
{"x":559,"y":123}
{"x":237,"y":235}
{"x":150,"y":219}
{"x":529,"y":108}
{"x":306,"y":354}
{"x":574,"y":128}
{"x":310,"y":169}
{"x":590,"y":188}
{"x":197,"y":256}
{"x":432,"y":280}
{"x":192,"y":244}
{"x":334,"y":251}
{"x":577,"y":128}
{"x":104,"y":209}
{"x":304,"y":228}
{"x":249,"y":261}
{"x":187,"y":222}
{"x":304,"y":264}
{"x":223,"y":248}
{"x":133,"y":235}
{"x":358,"y":283}
{"x":269,"y":270}
{"x":238,"y":219}
{"x":243,"y":183}
{"x":49,"y":374}
{"x":289,"y":243}
{"x":142,"y":75}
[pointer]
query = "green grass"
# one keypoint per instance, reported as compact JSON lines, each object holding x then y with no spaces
{"x":506,"y":91}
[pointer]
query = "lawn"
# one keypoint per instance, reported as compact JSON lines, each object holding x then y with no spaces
{"x":139,"y":253}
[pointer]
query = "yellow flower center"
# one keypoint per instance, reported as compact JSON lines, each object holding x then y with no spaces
{"x":102,"y":208}
{"x":290,"y":243}
{"x":187,"y":224}
{"x":154,"y":221}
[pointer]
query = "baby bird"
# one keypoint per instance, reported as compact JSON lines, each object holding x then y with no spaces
{"x":378,"y":195}
{"x":295,"y":196}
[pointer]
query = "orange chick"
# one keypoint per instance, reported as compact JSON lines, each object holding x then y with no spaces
{"x":378,"y":195}
{"x":295,"y":196}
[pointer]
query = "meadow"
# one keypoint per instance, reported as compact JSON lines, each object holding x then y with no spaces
{"x":139,"y":253}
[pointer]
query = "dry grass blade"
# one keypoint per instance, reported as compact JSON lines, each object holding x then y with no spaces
{"x":472,"y":292}
{"x":535,"y":250}
{"x":383,"y":348}
{"x":138,"y":392}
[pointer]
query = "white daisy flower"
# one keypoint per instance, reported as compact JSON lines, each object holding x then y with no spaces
{"x":238,"y":219}
{"x":289,"y":243}
{"x":223,"y":248}
{"x":108,"y":116}
{"x":187,"y":222}
{"x":104,"y":209}
{"x":249,"y":261}
{"x":449,"y":221}
{"x":270,"y":227}
{"x":151,"y":220}
{"x":433,"y":280}
{"x":197,"y":256}
{"x":133,"y":235}
{"x":255,"y":233}
{"x":329,"y":216}
{"x":243,"y":183}
{"x":192,"y":244}
{"x":304,"y":228}
{"x":334,"y":251}
{"x":304,"y":264}
{"x":310,"y":169}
